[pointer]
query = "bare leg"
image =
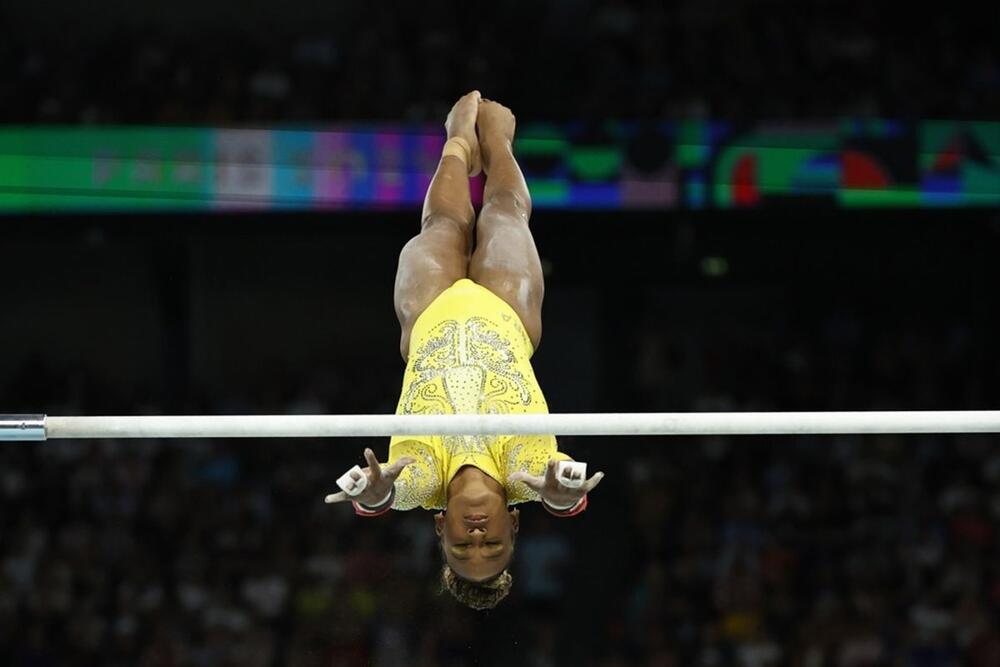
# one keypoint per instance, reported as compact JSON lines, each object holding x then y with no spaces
{"x":506,"y":261}
{"x":439,"y":255}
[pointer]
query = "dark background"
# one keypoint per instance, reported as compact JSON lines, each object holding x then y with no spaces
{"x":304,"y":61}
{"x":814,"y":551}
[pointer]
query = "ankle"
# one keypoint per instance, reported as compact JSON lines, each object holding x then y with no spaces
{"x":498,"y":146}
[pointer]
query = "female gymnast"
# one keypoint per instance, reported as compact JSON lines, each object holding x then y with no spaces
{"x":471,"y":318}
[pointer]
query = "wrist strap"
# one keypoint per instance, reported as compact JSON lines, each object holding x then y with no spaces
{"x":375,"y":510}
{"x":562,"y":508}
{"x":381,"y":502}
{"x":572,"y":510}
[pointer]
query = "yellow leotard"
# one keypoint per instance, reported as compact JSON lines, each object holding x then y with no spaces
{"x":469,"y":353}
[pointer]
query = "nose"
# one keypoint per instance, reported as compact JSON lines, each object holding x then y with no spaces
{"x":477,"y":529}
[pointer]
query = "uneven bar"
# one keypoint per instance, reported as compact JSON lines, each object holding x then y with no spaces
{"x":619,"y":424}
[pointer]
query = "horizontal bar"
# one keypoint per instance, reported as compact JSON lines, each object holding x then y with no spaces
{"x":620,"y":424}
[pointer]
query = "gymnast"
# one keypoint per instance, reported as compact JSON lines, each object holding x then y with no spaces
{"x":470,"y":315}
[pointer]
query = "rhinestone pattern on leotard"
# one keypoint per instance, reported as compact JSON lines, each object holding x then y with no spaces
{"x":475,"y":364}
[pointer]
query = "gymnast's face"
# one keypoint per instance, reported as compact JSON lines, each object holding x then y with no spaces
{"x":477,"y":539}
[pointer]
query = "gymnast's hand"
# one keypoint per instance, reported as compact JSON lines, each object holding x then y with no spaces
{"x":552,"y":490}
{"x":380,"y":481}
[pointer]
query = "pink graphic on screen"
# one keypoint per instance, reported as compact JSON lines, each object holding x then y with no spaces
{"x":335,"y":160}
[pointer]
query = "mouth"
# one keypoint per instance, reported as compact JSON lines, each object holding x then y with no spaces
{"x":475,"y":519}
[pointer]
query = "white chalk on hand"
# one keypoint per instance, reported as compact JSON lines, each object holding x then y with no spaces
{"x":353,"y":482}
{"x":577,"y":471}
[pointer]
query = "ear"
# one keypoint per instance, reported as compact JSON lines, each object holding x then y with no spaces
{"x":515,"y":519}
{"x":439,"y":523}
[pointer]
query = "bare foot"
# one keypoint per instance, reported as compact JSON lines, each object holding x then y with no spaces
{"x":461,"y":122}
{"x":496,"y":125}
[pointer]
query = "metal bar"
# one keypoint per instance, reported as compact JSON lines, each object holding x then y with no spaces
{"x":22,"y":427}
{"x":620,"y":424}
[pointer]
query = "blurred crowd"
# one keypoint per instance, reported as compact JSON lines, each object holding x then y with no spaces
{"x":553,"y":60}
{"x":846,"y":551}
{"x":758,"y":552}
{"x":755,"y":552}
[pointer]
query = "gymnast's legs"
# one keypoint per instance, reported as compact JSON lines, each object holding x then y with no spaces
{"x":439,"y":255}
{"x":505,"y":260}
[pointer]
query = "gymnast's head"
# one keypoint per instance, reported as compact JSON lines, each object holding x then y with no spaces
{"x":477,"y":534}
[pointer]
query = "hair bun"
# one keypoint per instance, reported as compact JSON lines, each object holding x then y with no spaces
{"x":477,"y":595}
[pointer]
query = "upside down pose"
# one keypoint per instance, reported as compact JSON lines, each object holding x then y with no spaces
{"x":468,"y":295}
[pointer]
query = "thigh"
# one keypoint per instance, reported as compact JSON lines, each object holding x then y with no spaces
{"x":506,"y":263}
{"x":429,"y":263}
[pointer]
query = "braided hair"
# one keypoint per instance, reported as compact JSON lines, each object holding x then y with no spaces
{"x":477,"y":595}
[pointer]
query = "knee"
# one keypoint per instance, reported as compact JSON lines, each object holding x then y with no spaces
{"x":510,"y":203}
{"x":437,"y":220}
{"x":445,"y":229}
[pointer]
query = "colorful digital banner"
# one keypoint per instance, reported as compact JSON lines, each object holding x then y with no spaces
{"x":631,"y":166}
